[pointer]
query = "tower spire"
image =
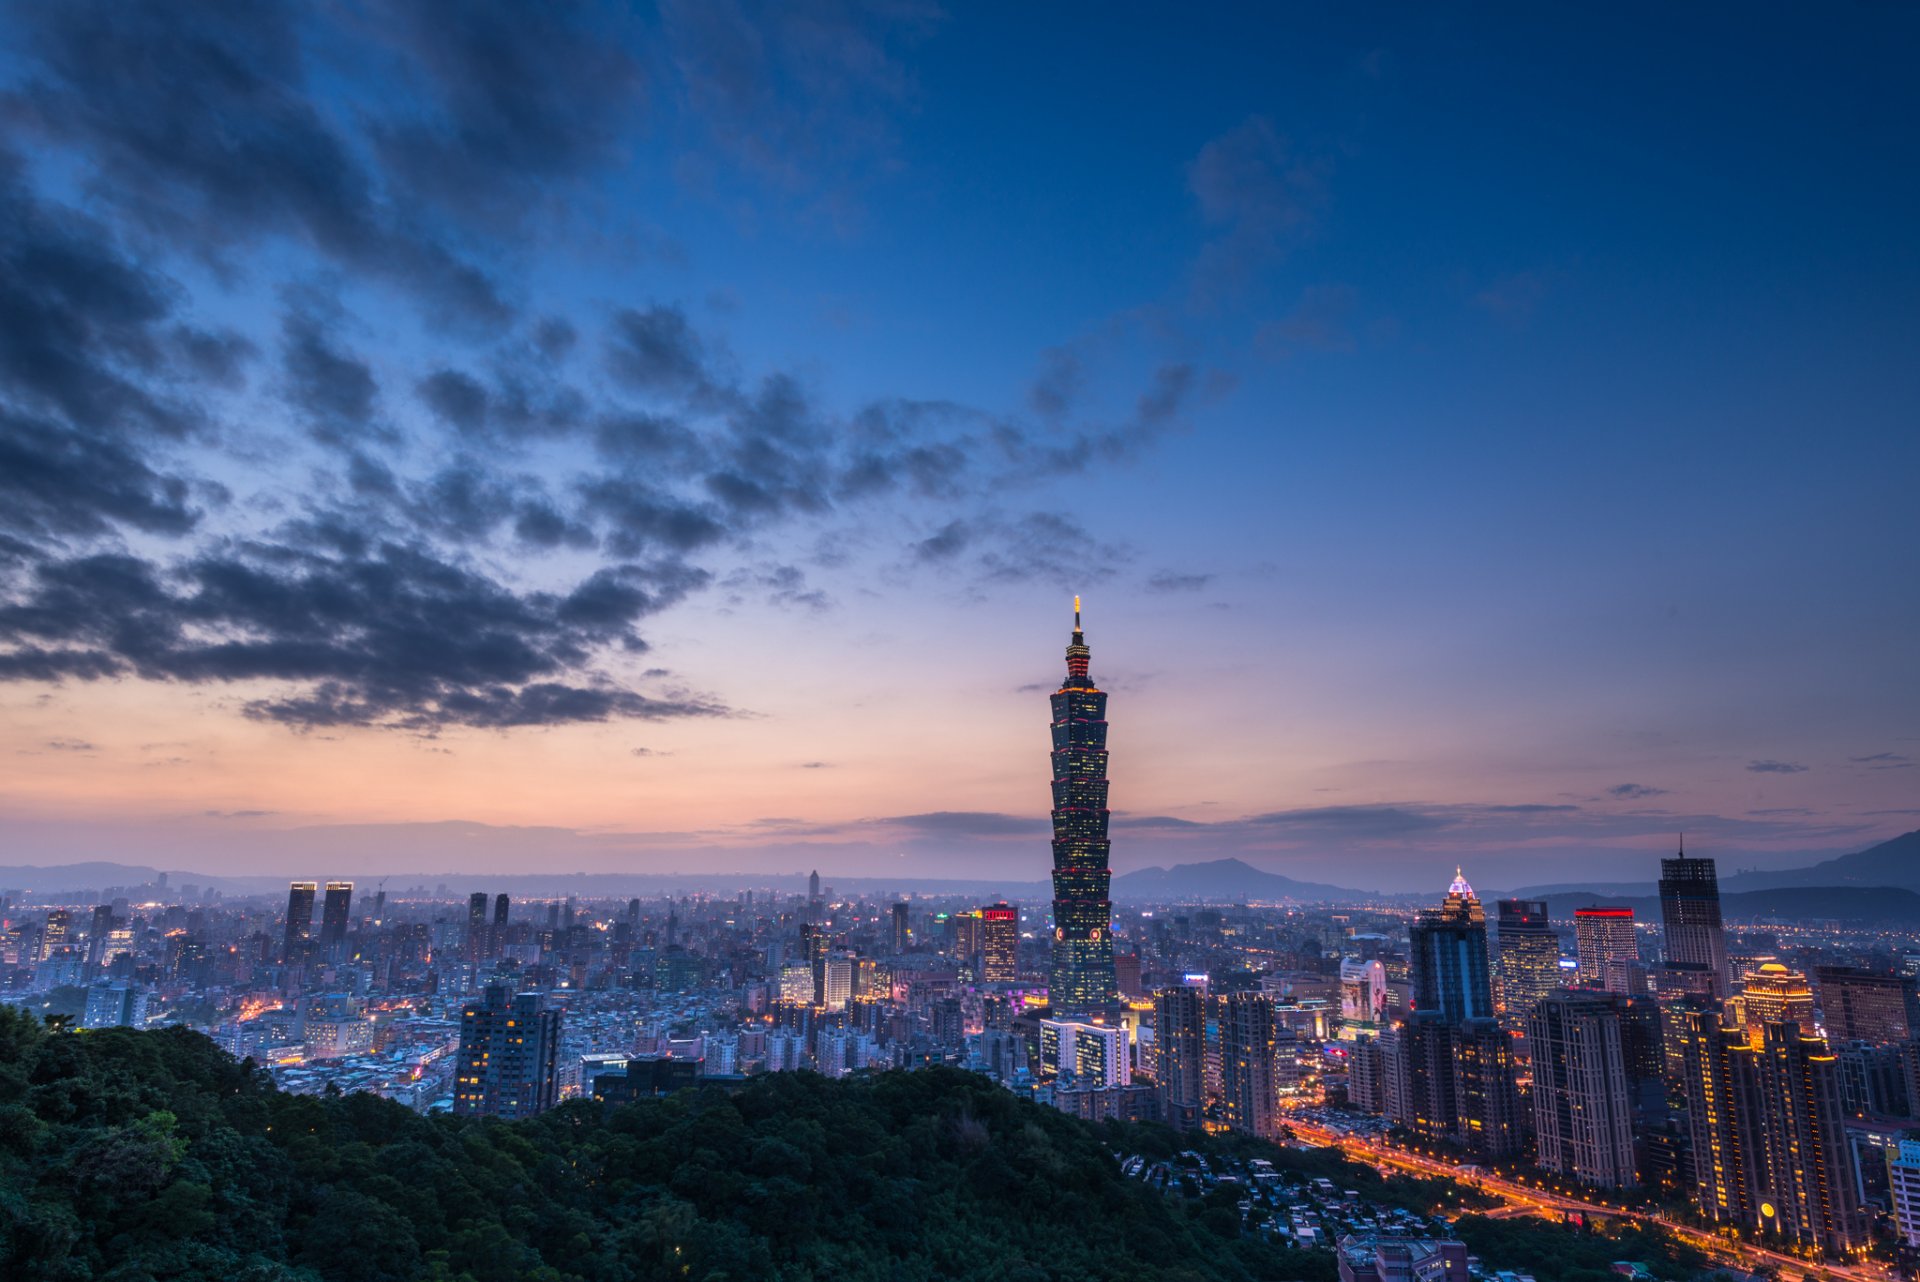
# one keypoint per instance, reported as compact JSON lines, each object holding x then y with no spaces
{"x":1076,"y":613}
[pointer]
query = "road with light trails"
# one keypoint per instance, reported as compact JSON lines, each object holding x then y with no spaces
{"x":1523,"y":1199}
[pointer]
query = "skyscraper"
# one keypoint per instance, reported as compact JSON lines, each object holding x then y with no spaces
{"x":1581,"y":1110}
{"x":500,"y":910}
{"x":300,"y":897}
{"x":1083,"y":980}
{"x":1000,"y":943}
{"x":1449,"y":957}
{"x":1527,"y":965}
{"x":1180,"y":1054}
{"x":1487,"y":1099}
{"x":476,"y":926}
{"x":1776,"y":994}
{"x":1690,"y":918}
{"x":1604,"y":942}
{"x":97,"y":936}
{"x":509,"y":1056}
{"x":901,"y":931}
{"x":333,"y":920}
{"x":1250,"y":1095}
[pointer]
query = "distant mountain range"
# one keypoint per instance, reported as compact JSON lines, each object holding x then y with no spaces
{"x":1223,"y":880}
{"x":1880,"y":905}
{"x":1893,"y":863}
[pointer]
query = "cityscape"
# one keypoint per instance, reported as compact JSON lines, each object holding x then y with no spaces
{"x":1754,"y":1087}
{"x":895,"y":641}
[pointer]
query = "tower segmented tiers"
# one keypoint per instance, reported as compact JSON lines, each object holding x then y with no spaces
{"x":1082,"y":981}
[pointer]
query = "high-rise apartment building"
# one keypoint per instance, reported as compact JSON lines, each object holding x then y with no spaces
{"x":97,"y":934}
{"x":334,"y":913}
{"x":1527,"y":965}
{"x":1861,"y":1005}
{"x":477,"y":926}
{"x":1776,"y":994}
{"x":1448,"y":948}
{"x":1903,"y":1179}
{"x":1770,"y":1152}
{"x":902,"y":932}
{"x":300,"y":897}
{"x":1092,"y":1055}
{"x":509,"y":1056}
{"x":1249,"y":1091}
{"x":1606,"y":948}
{"x":1180,"y":1054}
{"x":999,"y":943}
{"x":501,"y":908}
{"x":1082,"y":980}
{"x":1582,"y":1111}
{"x":1488,"y":1120}
{"x":1690,"y":918}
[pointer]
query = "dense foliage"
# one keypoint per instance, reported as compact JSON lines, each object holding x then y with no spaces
{"x":1568,"y":1253}
{"x":153,"y":1155}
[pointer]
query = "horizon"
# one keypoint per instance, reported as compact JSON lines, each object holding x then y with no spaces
{"x":641,"y":441}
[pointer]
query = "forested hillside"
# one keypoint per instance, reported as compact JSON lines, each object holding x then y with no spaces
{"x":136,"y":1155}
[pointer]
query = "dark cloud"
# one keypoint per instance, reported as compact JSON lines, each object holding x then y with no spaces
{"x":1259,"y":194}
{"x":1056,"y":387}
{"x":1776,"y":767}
{"x":57,"y":481}
{"x":394,"y":637}
{"x":968,"y":823}
{"x":1884,"y":761}
{"x":783,"y":586}
{"x":198,"y":126}
{"x":949,"y":541}
{"x":1049,"y":547}
{"x":1634,"y":791}
{"x":332,"y":390}
{"x":1171,"y":581}
{"x":655,"y":350}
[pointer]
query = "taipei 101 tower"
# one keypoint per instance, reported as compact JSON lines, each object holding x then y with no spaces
{"x":1082,"y":982}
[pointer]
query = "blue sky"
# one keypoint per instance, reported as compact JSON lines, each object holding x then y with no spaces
{"x":1476,"y":434}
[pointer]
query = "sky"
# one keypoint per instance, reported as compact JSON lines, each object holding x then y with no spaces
{"x":504,"y":438}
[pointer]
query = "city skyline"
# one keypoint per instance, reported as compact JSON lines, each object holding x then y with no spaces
{"x":628,"y":475}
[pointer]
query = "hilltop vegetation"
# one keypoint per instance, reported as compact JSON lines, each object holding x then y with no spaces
{"x":154,"y":1155}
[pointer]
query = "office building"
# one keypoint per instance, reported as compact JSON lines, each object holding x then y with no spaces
{"x":1448,"y":949}
{"x":1082,"y":979}
{"x":334,"y":913}
{"x":55,"y":935}
{"x":999,"y":943}
{"x":118,"y":1004}
{"x":1582,"y":1113}
{"x":1690,"y":925}
{"x":1606,"y":948}
{"x":1527,"y":965}
{"x":902,"y":932}
{"x":477,"y":926}
{"x":1860,"y":1005}
{"x":509,"y":1056}
{"x":1382,"y":1258}
{"x":1363,"y":997}
{"x":1089,"y":1055}
{"x":500,"y":911}
{"x":1488,"y":1119}
{"x":97,"y":935}
{"x":300,"y":897}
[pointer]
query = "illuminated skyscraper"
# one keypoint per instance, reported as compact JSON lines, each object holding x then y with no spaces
{"x":1863,"y":1005}
{"x":1000,"y":943}
{"x":333,"y":920}
{"x":1083,"y":979}
{"x":1604,"y":941}
{"x":1776,"y":994}
{"x":500,"y":910}
{"x":1581,"y":1110}
{"x":1449,"y":958}
{"x":300,"y":897}
{"x":1527,"y":965}
{"x":60,"y":926}
{"x":1690,"y":918}
{"x":1250,"y":1095}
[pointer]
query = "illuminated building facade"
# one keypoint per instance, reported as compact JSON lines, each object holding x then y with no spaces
{"x":1249,"y":1091}
{"x":1607,"y":949}
{"x":1861,"y":1005}
{"x":509,"y":1053}
{"x":1776,"y":994}
{"x":1180,"y":1054}
{"x":1082,"y":980}
{"x":300,"y":896}
{"x":1527,"y":960}
{"x":1581,"y":1109}
{"x":334,"y":913}
{"x":999,"y":943}
{"x":1449,"y":958}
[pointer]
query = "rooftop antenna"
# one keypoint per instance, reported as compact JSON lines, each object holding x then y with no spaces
{"x":1076,"y":613}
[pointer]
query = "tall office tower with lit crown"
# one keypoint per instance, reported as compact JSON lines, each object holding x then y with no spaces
{"x":1604,"y":941}
{"x":300,"y":896}
{"x":333,"y":920}
{"x":1082,"y":981}
{"x":1180,"y":1054}
{"x":1448,"y":946}
{"x":999,"y":943}
{"x":1527,"y":960}
{"x":1690,"y":918}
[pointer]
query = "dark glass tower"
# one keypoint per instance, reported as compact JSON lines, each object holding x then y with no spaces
{"x":1690,"y":918}
{"x":1449,"y":958}
{"x":1082,"y":980}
